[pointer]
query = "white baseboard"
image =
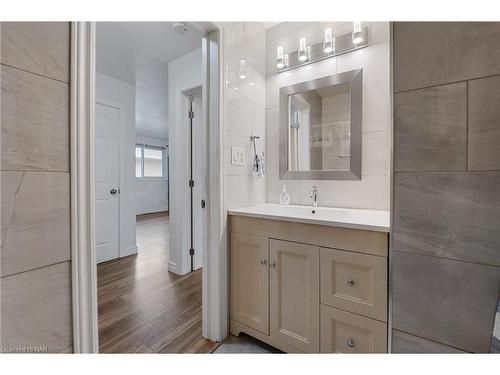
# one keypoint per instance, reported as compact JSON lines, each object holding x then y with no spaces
{"x":129,"y":251}
{"x":161,"y":209}
{"x":172,"y":267}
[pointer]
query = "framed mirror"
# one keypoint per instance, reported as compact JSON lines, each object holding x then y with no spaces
{"x":321,"y":128}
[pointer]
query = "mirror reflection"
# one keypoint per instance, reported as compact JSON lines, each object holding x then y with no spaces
{"x":319,"y":129}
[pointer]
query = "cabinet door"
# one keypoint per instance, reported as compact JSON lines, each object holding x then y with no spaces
{"x":344,"y":332}
{"x":294,"y":294}
{"x":250,"y":281}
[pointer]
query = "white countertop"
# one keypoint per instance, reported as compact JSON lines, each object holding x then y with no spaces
{"x":337,"y":217}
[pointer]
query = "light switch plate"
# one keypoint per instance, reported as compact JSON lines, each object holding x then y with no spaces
{"x":238,"y":156}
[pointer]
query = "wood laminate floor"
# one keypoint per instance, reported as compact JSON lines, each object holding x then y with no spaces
{"x":143,"y":308}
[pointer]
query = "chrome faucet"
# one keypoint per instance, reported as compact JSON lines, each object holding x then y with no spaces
{"x":314,"y":195}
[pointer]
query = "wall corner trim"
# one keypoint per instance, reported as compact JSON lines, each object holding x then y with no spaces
{"x":83,"y":265}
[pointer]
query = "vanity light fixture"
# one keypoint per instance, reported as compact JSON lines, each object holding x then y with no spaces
{"x":243,"y":69}
{"x":328,"y":42}
{"x":330,"y":46}
{"x":302,"y":50}
{"x":357,"y":33}
{"x":280,"y":62}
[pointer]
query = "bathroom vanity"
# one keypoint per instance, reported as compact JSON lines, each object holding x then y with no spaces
{"x":311,"y":280}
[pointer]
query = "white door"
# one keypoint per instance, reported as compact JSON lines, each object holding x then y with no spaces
{"x":107,"y":163}
{"x":199,"y":176}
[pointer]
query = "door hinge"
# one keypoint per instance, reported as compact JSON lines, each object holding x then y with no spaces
{"x":191,"y":251}
{"x":191,"y":114}
{"x":191,"y":183}
{"x":203,"y":203}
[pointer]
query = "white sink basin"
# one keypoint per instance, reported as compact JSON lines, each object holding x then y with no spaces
{"x":340,"y":217}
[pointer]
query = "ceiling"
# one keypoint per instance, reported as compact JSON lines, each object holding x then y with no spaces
{"x":138,"y":53}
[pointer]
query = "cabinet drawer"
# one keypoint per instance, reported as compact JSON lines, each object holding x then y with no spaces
{"x":344,"y":332}
{"x":354,"y":282}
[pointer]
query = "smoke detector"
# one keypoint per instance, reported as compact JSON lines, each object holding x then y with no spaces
{"x":180,"y":28}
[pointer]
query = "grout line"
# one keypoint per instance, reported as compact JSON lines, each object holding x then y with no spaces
{"x":445,"y":258}
{"x":434,"y":341}
{"x":36,"y":74}
{"x":32,"y":171}
{"x":467,"y":125}
{"x":451,"y":171}
{"x":36,"y":268}
{"x":444,"y":84}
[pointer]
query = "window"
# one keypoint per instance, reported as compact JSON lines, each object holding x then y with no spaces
{"x":148,"y":161}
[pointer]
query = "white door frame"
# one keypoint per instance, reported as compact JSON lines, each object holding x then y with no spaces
{"x":84,"y":268}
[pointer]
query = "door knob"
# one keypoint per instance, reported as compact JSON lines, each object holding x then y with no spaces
{"x":272,"y":264}
{"x":350,"y":343}
{"x":351,"y":282}
{"x":113,"y":191}
{"x":263,"y":261}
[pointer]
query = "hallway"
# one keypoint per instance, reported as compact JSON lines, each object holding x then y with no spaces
{"x":143,"y":308}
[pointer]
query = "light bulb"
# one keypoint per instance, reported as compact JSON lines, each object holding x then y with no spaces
{"x":243,"y":69}
{"x":357,"y":33}
{"x":280,"y":64}
{"x":302,"y":50}
{"x":328,"y":42}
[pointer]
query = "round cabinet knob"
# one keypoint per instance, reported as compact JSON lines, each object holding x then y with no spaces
{"x":263,"y":261}
{"x":350,"y":343}
{"x":113,"y":191}
{"x":351,"y":282}
{"x":272,"y":264}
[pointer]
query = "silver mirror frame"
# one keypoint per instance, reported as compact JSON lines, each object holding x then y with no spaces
{"x":355,"y":78}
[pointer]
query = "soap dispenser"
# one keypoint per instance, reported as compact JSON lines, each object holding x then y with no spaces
{"x":284,"y":197}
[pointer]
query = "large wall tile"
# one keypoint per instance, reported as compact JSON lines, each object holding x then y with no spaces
{"x":35,"y":122}
{"x":430,"y":129}
{"x":484,"y":123}
{"x":36,"y":309}
{"x":38,"y":47}
{"x":447,"y":301}
{"x":35,"y":220}
{"x":450,"y":215}
{"x":433,"y":53}
{"x":405,"y":343}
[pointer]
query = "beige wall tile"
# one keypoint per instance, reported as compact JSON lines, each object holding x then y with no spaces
{"x":405,"y":343}
{"x":35,"y":122}
{"x":450,"y":215}
{"x":36,"y":309}
{"x":38,"y":47}
{"x":35,"y":220}
{"x":484,"y":124}
{"x":433,"y":53}
{"x":446,"y":301}
{"x":430,"y":129}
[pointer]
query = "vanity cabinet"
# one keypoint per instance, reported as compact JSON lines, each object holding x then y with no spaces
{"x":249,"y":298}
{"x":308,"y":288}
{"x":294,"y":297}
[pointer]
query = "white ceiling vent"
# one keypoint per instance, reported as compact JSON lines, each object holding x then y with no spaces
{"x":180,"y":28}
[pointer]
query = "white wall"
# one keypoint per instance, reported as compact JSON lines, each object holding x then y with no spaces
{"x":113,"y":91}
{"x":152,"y":192}
{"x":245,"y":110}
{"x":184,"y":73}
{"x":373,"y":190}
